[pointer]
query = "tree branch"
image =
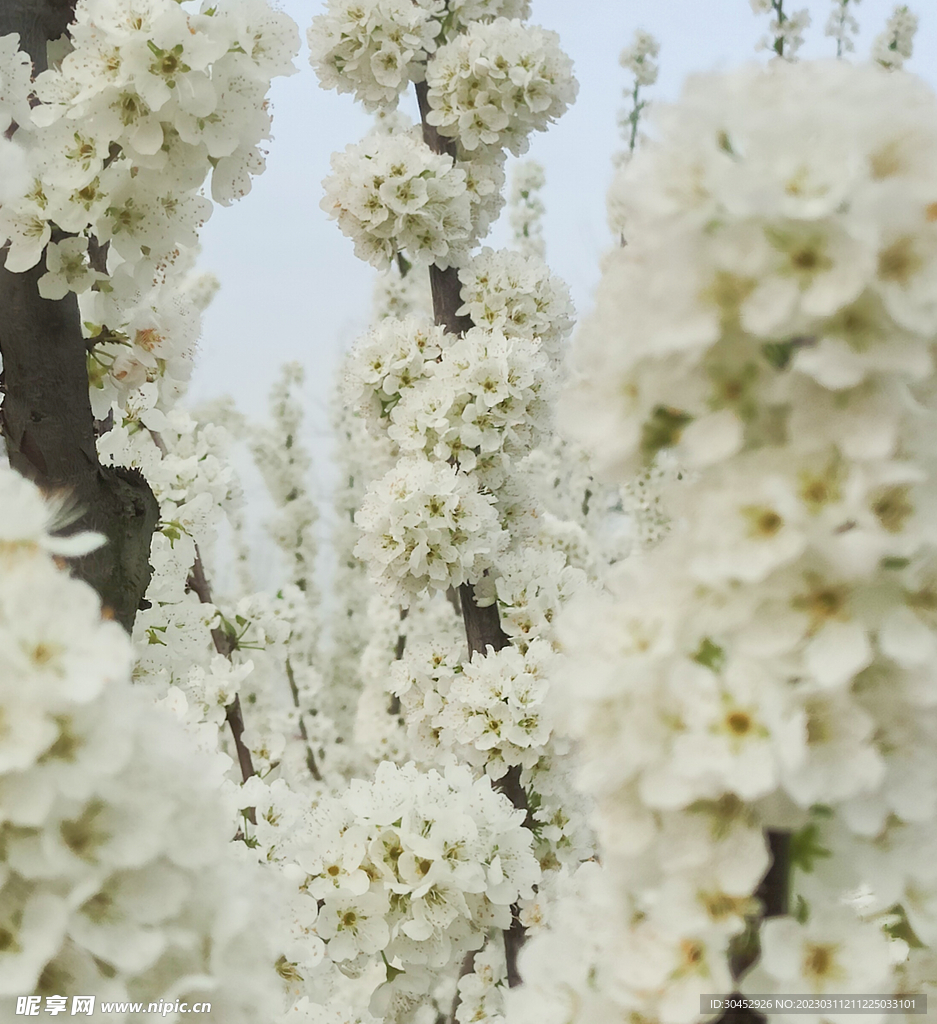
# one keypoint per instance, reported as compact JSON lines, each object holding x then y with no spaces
{"x":48,"y":426}
{"x":46,"y":417}
{"x":37,"y":22}
{"x":773,"y":893}
{"x":198,"y":584}
{"x":482,"y":625}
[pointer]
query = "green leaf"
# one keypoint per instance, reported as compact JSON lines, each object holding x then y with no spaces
{"x":392,"y":972}
{"x":801,"y":910}
{"x":900,"y":928}
{"x":710,"y":655}
{"x":662,"y":430}
{"x":806,"y":848}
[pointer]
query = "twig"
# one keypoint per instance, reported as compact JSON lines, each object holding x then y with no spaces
{"x":310,"y":756}
{"x":198,"y":584}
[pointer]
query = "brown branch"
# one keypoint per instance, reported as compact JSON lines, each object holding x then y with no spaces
{"x":468,"y":966}
{"x":394,"y":707}
{"x":46,"y":417}
{"x":49,"y":430}
{"x":482,"y":625}
{"x":310,"y":756}
{"x":37,"y":22}
{"x":773,"y":893}
{"x":198,"y":584}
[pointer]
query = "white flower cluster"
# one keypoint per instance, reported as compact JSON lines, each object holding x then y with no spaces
{"x":489,"y":85}
{"x":481,"y":408}
{"x":768,"y":665}
{"x":516,"y":294}
{"x":148,"y":100}
{"x":15,"y":82}
{"x":380,"y":727}
{"x":387,"y":361}
{"x":415,"y":866}
{"x":481,"y":993}
{"x":374,"y":48}
{"x":786,"y":29}
{"x":425,"y":524}
{"x":640,"y":58}
{"x":171,"y":94}
{"x":478,"y":401}
{"x":118,"y":874}
{"x":895,"y":45}
{"x":843,"y":26}
{"x":489,"y":711}
{"x":284,"y":464}
{"x":816,"y":258}
{"x":494,"y":84}
{"x":392,"y":194}
{"x":191,"y":477}
{"x":467,"y":11}
{"x":531,"y":585}
{"x":460,"y":414}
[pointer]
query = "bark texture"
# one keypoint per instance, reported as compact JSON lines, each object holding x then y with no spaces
{"x":46,"y":418}
{"x":48,"y":428}
{"x":482,"y":625}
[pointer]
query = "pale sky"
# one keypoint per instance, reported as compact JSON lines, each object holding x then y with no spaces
{"x":292,"y":288}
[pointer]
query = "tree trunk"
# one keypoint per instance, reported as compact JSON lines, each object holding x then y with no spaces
{"x":482,"y":625}
{"x":46,"y":418}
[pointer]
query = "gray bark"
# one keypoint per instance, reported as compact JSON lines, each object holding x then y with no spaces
{"x":46,"y":418}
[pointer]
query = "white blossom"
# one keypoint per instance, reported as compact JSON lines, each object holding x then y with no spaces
{"x":392,"y":194}
{"x":843,"y":26}
{"x":424,"y":524}
{"x":375,"y":48}
{"x":896,"y":43}
{"x":640,"y":58}
{"x":517,"y":294}
{"x":496,"y":83}
{"x":118,"y":870}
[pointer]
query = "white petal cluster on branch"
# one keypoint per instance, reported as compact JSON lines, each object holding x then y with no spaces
{"x":466,"y":11}
{"x":415,"y":867}
{"x":391,"y":358}
{"x":518,"y":295}
{"x":148,"y":101}
{"x":895,"y":45}
{"x":425,"y":524}
{"x":374,"y":48}
{"x":640,"y":58}
{"x":786,"y":28}
{"x":15,"y":82}
{"x":493,"y":85}
{"x":843,"y":26}
{"x":482,"y":406}
{"x":393,"y":194}
{"x":489,"y":711}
